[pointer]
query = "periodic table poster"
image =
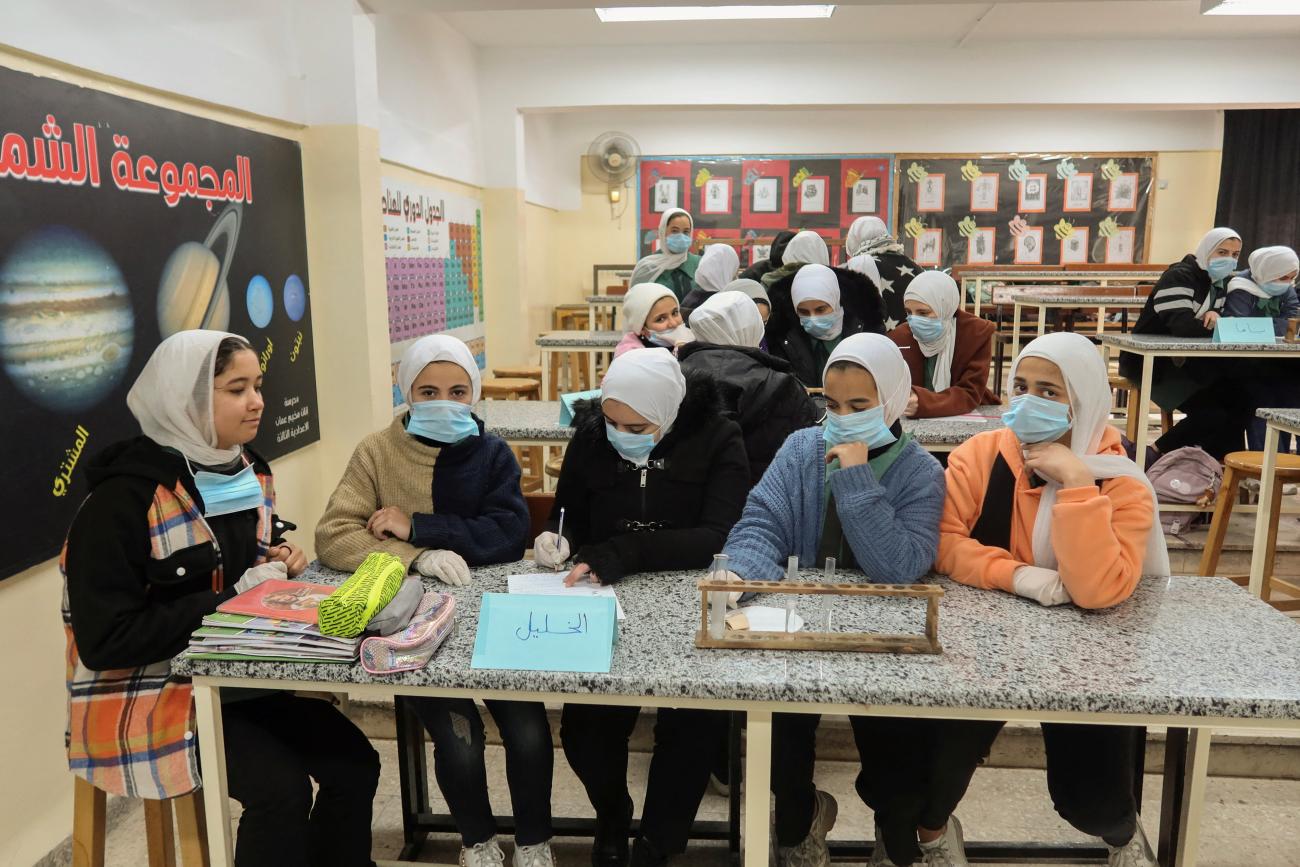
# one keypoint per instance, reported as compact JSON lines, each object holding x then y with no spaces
{"x":751,"y":198}
{"x":1025,"y":209}
{"x":433,"y":255}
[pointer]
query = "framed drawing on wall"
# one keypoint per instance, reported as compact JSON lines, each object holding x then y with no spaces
{"x":765,"y":196}
{"x":1029,"y":246}
{"x":1119,"y":246}
{"x":1078,"y":193}
{"x":1123,"y":193}
{"x":929,"y":247}
{"x":813,"y":196}
{"x":863,"y":198}
{"x":984,"y":193}
{"x":666,"y":192}
{"x":1074,"y":247}
{"x":1033,"y":194}
{"x":930,"y":193}
{"x":715,"y":198}
{"x":981,"y":246}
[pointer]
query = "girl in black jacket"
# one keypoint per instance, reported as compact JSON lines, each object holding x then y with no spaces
{"x":815,"y":308}
{"x":653,"y":480}
{"x":758,"y":390}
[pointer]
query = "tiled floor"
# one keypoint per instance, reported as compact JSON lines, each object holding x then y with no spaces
{"x":1248,"y":823}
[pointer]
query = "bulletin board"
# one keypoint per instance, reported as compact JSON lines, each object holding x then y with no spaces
{"x":433,"y":258}
{"x":1024,"y":209}
{"x":121,"y":224}
{"x":737,"y":197}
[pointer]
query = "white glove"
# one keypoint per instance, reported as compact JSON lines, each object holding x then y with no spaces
{"x":259,"y":573}
{"x":550,"y":550}
{"x":447,"y":566}
{"x":1044,"y":586}
{"x":733,"y":598}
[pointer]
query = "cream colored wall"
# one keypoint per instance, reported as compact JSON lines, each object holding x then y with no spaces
{"x":350,"y":330}
{"x":1184,"y":210}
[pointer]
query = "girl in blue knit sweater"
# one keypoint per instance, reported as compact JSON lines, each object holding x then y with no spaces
{"x":860,"y":490}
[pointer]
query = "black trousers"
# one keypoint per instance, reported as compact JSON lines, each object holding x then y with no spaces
{"x":1090,"y":772}
{"x":1215,"y":419}
{"x":595,"y":740}
{"x":275,"y":746}
{"x":914,"y":773}
{"x":456,"y":729}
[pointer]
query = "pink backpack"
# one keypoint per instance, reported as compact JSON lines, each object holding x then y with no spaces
{"x":1185,"y":476}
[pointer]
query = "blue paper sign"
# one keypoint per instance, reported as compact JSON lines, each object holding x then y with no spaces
{"x":545,"y":633}
{"x":567,"y":402}
{"x":1244,"y":329}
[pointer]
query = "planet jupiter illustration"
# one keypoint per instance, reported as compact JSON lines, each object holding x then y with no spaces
{"x":192,"y":292}
{"x":66,"y":325}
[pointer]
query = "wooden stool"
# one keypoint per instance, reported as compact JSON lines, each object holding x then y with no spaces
{"x":1120,"y":383}
{"x":89,"y":828}
{"x":512,"y":388}
{"x":522,"y":372}
{"x":1239,"y":466}
{"x":571,"y":317}
{"x":553,"y":467}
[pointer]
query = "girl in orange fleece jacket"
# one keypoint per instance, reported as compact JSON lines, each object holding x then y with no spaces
{"x":1051,"y":509}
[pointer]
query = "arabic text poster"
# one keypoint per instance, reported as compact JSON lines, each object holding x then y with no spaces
{"x":433,"y":258}
{"x":122,"y":223}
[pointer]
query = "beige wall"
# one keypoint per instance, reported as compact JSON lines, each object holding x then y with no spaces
{"x":350,"y":328}
{"x":1184,"y":210}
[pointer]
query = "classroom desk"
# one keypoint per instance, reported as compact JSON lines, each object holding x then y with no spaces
{"x":1152,"y":346}
{"x":1188,"y":653}
{"x":598,"y":306}
{"x":1279,"y":420}
{"x":593,"y":344}
{"x":1030,"y":278}
{"x":1063,"y":300}
{"x":537,"y":423}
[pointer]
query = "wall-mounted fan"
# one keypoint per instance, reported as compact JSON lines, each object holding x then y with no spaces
{"x":611,"y":159}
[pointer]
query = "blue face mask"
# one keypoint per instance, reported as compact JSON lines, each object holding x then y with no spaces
{"x":633,"y":447}
{"x":1221,"y":267}
{"x":226,"y":494}
{"x":823,"y":327}
{"x":1276,"y":288}
{"x":679,"y":243}
{"x":444,"y":421}
{"x":927,"y":330}
{"x":867,"y":426}
{"x":1035,"y":419}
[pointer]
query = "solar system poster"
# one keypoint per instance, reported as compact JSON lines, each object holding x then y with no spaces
{"x":120,"y":224}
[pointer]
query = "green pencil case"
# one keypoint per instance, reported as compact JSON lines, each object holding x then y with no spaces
{"x":348,"y":610}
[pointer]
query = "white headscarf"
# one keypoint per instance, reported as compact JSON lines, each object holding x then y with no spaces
{"x":939,"y":292}
{"x":436,"y":347}
{"x":883,"y":360}
{"x":1266,"y":265}
{"x":752,"y":288}
{"x":717,"y":268}
{"x":638,"y":302}
{"x":815,"y":282}
{"x":728,"y":319}
{"x":807,"y":247}
{"x":1210,"y":242}
{"x":172,"y":397}
{"x":866,"y":266}
{"x":650,"y":267}
{"x":863,"y":231}
{"x":1089,"y":389}
{"x":651,"y":382}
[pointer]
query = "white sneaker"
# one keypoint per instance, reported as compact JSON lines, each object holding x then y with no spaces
{"x":487,"y":854}
{"x":1136,"y":853}
{"x":536,"y":855}
{"x":949,"y":850}
{"x":879,"y":857}
{"x":812,"y":851}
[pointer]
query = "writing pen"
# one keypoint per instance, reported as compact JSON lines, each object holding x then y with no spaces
{"x":560,"y":532}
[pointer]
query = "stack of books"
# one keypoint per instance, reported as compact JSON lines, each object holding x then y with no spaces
{"x":273,"y":622}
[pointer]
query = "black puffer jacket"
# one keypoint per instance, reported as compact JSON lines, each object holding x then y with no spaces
{"x":675,"y":512}
{"x":786,"y":338}
{"x":758,"y":391}
{"x":774,"y":259}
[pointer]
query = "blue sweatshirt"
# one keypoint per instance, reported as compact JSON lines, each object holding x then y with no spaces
{"x":892,"y":524}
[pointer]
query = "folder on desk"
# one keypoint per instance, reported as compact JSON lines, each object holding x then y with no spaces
{"x":569,"y":401}
{"x":1244,"y":329}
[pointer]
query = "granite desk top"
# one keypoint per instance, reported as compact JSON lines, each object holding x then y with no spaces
{"x":1288,"y":417}
{"x":605,"y":299}
{"x":518,"y":420}
{"x":1192,"y":647}
{"x":1065,"y":299}
{"x":993,"y":272}
{"x":1170,"y":343}
{"x":580,"y":339}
